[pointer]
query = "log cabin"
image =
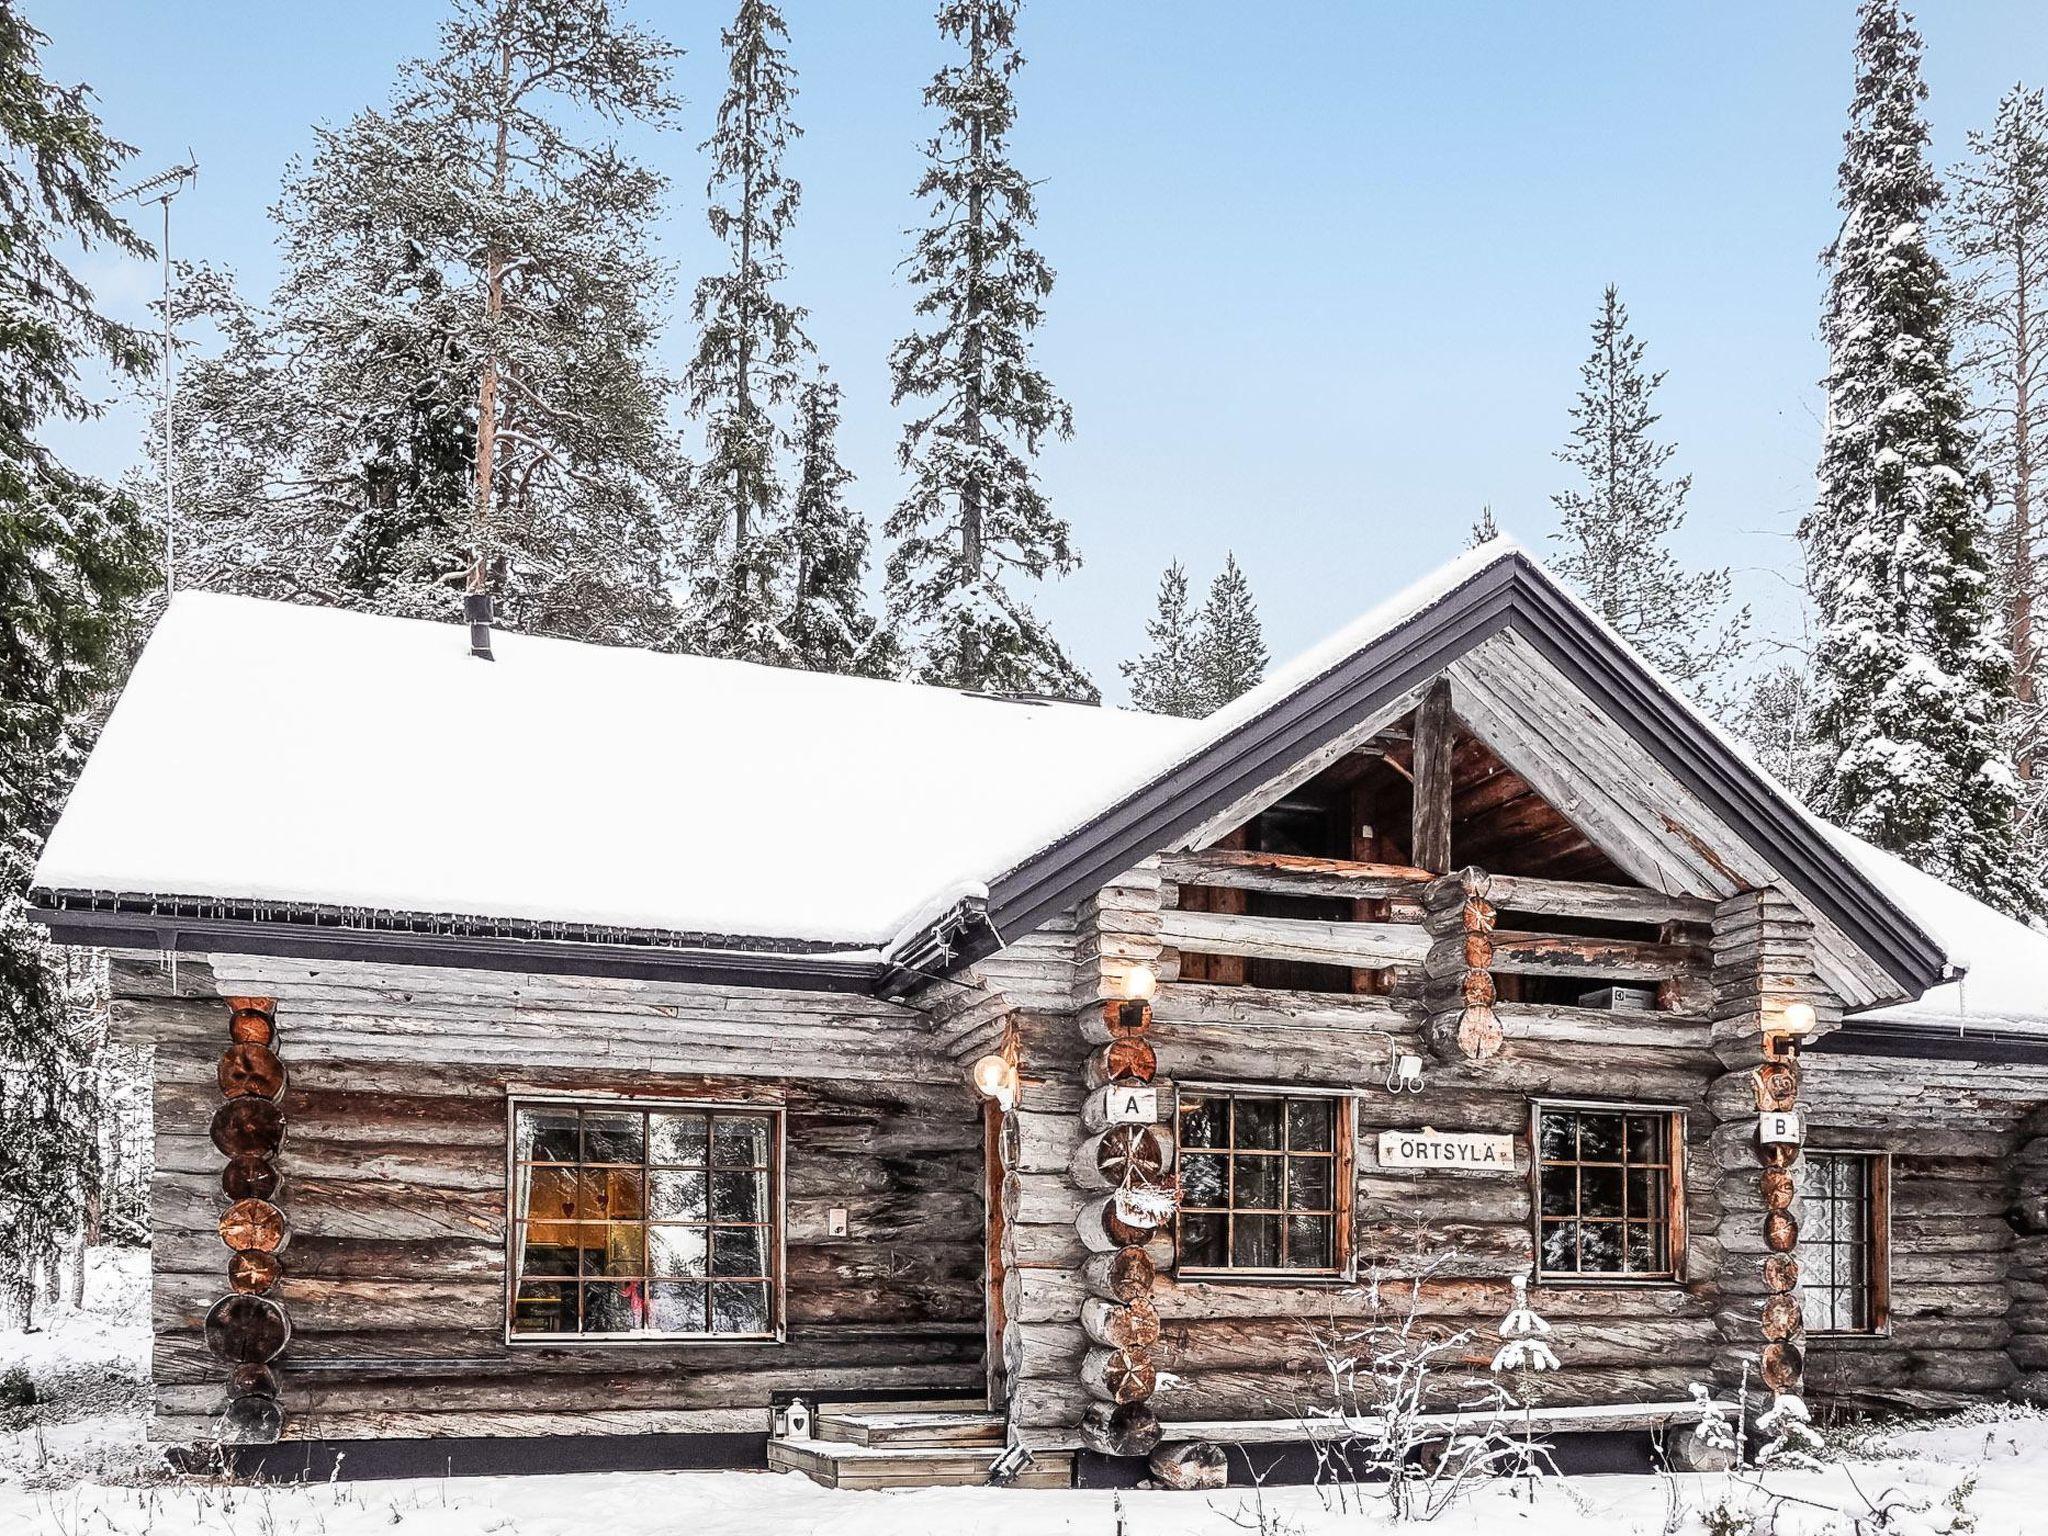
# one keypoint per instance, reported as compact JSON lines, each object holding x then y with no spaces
{"x":572,"y":1056}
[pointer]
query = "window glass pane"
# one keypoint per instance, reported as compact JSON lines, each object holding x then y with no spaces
{"x":1202,"y":1241}
{"x":612,"y":1307}
{"x":613,"y":1136}
{"x":551,"y":1194}
{"x":1599,"y":1138}
{"x":1645,"y":1248}
{"x":678,"y":1194}
{"x":1202,"y":1179}
{"x":1558,"y":1135}
{"x":545,"y":1306}
{"x":1258,"y":1182}
{"x":1561,"y":1246}
{"x":1308,"y":1183}
{"x":619,"y":1192}
{"x":1258,"y":1122}
{"x":739,"y":1251}
{"x":1255,"y":1242}
{"x":1646,"y":1138}
{"x":1560,"y":1191}
{"x":1309,"y":1123}
{"x":1600,"y":1247}
{"x":1310,"y":1242}
{"x":1646,"y":1193}
{"x":739,"y":1196}
{"x":547,"y":1135}
{"x":739,"y":1143}
{"x":1599,"y":1191}
{"x":676,"y":1138}
{"x":550,"y":1249}
{"x":614,"y":1249}
{"x":739,"y":1309}
{"x":674,"y":1251}
{"x":1202,"y":1122}
{"x":675,"y":1308}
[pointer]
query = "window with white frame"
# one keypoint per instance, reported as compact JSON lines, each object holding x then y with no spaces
{"x":639,"y":1221}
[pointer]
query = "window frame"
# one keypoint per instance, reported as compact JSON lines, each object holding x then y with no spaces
{"x":1677,"y":1236}
{"x":776,"y":1112}
{"x":1343,"y":1194}
{"x":1877,"y":1190}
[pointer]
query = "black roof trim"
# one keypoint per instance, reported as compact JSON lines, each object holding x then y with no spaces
{"x":470,"y":951}
{"x":1512,"y":592}
{"x":1932,"y":1042}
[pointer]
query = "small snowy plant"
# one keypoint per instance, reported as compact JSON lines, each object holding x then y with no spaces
{"x":1793,"y":1441}
{"x":1524,"y":1354}
{"x":1524,"y":1332}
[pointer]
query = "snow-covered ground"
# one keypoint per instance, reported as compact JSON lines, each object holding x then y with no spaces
{"x":74,"y":1464}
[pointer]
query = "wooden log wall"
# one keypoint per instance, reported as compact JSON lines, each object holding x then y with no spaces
{"x":395,"y":1180}
{"x":1968,"y":1302}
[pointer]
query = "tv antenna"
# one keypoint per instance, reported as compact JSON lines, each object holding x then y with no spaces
{"x":161,"y":188}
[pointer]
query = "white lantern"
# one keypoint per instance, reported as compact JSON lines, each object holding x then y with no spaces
{"x":1140,"y":983}
{"x":995,"y":1078}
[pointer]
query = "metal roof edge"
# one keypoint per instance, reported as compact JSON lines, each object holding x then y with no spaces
{"x":546,"y":957}
{"x":1931,"y":1042}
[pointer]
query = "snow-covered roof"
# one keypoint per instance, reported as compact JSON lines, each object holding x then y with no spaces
{"x":273,"y":754}
{"x":2005,"y":962}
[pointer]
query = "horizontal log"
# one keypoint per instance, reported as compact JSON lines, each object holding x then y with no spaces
{"x":1291,"y":874}
{"x":1304,"y":940}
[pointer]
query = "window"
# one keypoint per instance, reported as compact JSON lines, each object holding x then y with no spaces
{"x":1842,"y":1242}
{"x":1610,"y":1199}
{"x":1264,"y":1184}
{"x":644,"y":1222}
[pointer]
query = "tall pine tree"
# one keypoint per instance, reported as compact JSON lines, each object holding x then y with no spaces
{"x":1997,"y":225}
{"x":1230,"y":644}
{"x":1163,"y":678}
{"x":751,"y":342}
{"x":1911,"y":678}
{"x":829,"y":628}
{"x":1615,"y":530}
{"x":73,"y":555}
{"x":456,"y":375}
{"x":974,"y":514}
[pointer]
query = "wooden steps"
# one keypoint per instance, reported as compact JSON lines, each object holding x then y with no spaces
{"x":909,"y":1446}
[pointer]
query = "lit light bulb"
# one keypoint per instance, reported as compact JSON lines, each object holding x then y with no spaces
{"x":1799,"y":1019}
{"x":1140,"y":983}
{"x":995,"y":1078}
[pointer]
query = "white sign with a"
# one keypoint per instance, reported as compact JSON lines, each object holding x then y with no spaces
{"x":1431,"y":1148}
{"x":1126,"y":1105}
{"x":1776,"y":1126}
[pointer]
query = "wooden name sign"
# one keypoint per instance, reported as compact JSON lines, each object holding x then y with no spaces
{"x":1777,"y":1127}
{"x":1431,"y":1148}
{"x":1128,"y":1104}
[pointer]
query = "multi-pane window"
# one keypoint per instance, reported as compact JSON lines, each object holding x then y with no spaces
{"x":1608,"y":1194}
{"x":1261,"y":1179}
{"x":656,"y":1221}
{"x":1841,"y":1242}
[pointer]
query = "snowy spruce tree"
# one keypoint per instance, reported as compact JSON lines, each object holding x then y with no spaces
{"x":1911,"y":676}
{"x":829,"y":628}
{"x":74,"y":554}
{"x":1230,"y":645}
{"x":750,"y":344}
{"x":1484,"y":529}
{"x":975,"y":518}
{"x":455,"y":380}
{"x":1163,"y":678}
{"x":1997,"y":227}
{"x":1615,"y":530}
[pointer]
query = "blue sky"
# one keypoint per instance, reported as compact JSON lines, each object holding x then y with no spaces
{"x":1325,"y":271}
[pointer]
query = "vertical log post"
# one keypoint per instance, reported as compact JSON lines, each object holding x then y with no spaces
{"x":1763,"y":965}
{"x":1436,"y":731}
{"x":1132,"y":1160}
{"x":248,"y":1328}
{"x":1457,"y":984}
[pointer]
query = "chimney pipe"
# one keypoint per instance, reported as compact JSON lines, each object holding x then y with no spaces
{"x":476,"y":607}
